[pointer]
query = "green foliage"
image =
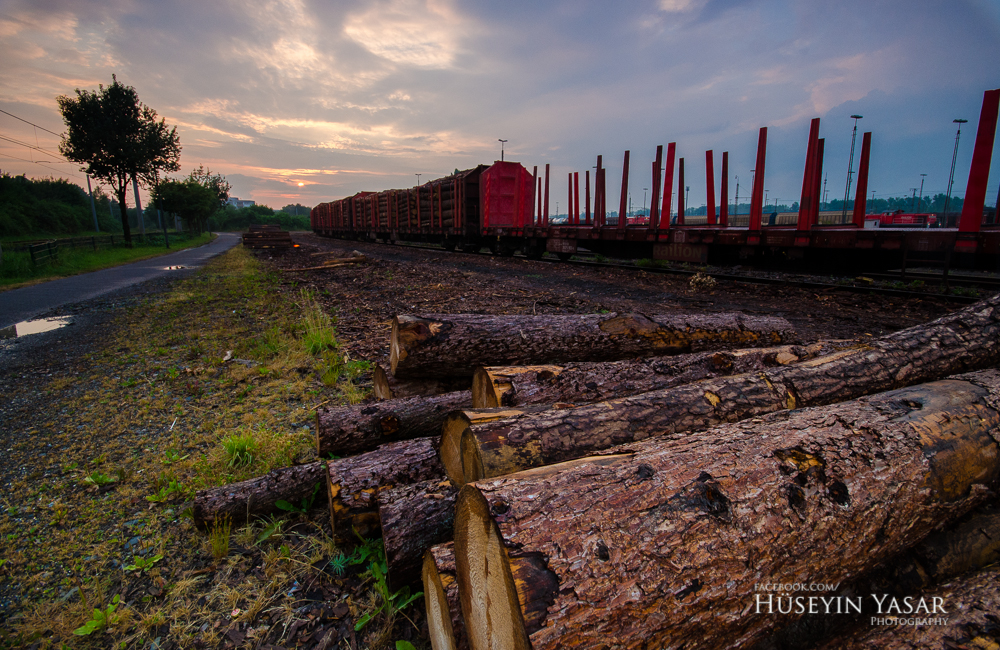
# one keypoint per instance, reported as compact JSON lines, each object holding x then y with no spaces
{"x":240,"y":449}
{"x":217,"y":183}
{"x":40,"y":207}
{"x":98,"y":478}
{"x":100,"y":619}
{"x":166,"y":492}
{"x":272,"y":529}
{"x":307,"y":503}
{"x":143,"y":563}
{"x":117,"y":138}
{"x":194,"y":202}
{"x":232,"y":218}
{"x":404,"y":645}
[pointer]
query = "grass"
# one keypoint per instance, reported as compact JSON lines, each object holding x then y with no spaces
{"x":150,"y":418}
{"x":16,"y":269}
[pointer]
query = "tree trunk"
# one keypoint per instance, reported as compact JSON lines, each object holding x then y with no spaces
{"x":455,"y":425}
{"x":533,"y":582}
{"x":258,"y":497}
{"x":453,"y":345}
{"x":354,"y":429}
{"x":971,"y":603}
{"x":964,"y":340}
{"x":353,"y":483}
{"x":414,"y":518}
{"x":668,"y":546}
{"x":495,"y":386}
{"x":121,"y":193}
{"x":388,"y":387}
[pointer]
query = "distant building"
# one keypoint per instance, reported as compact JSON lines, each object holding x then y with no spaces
{"x":239,"y":203}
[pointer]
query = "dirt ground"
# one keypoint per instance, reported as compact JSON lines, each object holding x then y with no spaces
{"x":403,"y":279}
{"x":110,"y":425}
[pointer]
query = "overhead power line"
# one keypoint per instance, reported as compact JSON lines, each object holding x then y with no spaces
{"x":31,"y":123}
{"x":30,"y":146}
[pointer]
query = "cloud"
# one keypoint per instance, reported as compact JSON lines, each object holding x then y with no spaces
{"x":425,"y":34}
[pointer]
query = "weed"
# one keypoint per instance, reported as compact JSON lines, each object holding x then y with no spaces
{"x":100,"y":619}
{"x":339,"y":563}
{"x":218,"y":537}
{"x":98,"y":478}
{"x":166,"y":492}
{"x":240,"y":449}
{"x":307,"y":503}
{"x":320,"y":334}
{"x":404,"y":645}
{"x":966,"y":291}
{"x":392,"y":602}
{"x":173,"y":373}
{"x":172,"y":456}
{"x":143,"y":563}
{"x":272,"y":529}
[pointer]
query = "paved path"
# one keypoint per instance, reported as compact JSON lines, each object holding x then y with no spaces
{"x":27,"y":302}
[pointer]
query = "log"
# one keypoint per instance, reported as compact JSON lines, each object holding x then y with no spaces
{"x":333,"y":264}
{"x":458,"y":422}
{"x":532,"y":581}
{"x":964,"y":340}
{"x":353,"y":483}
{"x":346,"y":430}
{"x":413,"y":518}
{"x":663,"y":546}
{"x":258,"y":497}
{"x":437,"y":345}
{"x":971,"y":603}
{"x":496,"y":386}
{"x":388,"y":387}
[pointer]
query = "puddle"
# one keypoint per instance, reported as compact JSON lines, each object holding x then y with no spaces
{"x":172,"y":268}
{"x":24,"y":328}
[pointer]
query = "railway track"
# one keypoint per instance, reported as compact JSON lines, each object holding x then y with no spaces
{"x":852,"y":285}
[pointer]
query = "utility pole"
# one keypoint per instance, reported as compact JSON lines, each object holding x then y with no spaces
{"x":501,"y":150}
{"x":826,"y":177}
{"x":873,"y":202}
{"x":418,"y":179}
{"x":913,"y":201}
{"x":93,"y":207}
{"x":920,"y":196}
{"x":644,"y":190}
{"x":951,"y":175}
{"x":850,"y":167}
{"x":138,"y":208}
{"x":736,"y":210}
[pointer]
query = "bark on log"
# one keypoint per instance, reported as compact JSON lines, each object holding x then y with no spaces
{"x":504,"y":386}
{"x":458,"y":422}
{"x":353,"y":483}
{"x":971,"y":602}
{"x":663,"y":547}
{"x":965,"y":340}
{"x":437,"y":345}
{"x":533,"y":582}
{"x":414,"y":518}
{"x":354,"y":429}
{"x":388,"y":387}
{"x":258,"y":497}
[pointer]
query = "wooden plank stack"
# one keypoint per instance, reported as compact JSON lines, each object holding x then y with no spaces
{"x":611,"y":492}
{"x":267,"y":237}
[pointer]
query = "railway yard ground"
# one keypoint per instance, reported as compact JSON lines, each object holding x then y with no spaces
{"x":109,"y":427}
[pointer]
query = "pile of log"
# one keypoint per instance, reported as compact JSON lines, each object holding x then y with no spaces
{"x":267,"y":237}
{"x":591,"y":487}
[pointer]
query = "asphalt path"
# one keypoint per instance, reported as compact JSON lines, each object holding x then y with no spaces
{"x":28,"y":302}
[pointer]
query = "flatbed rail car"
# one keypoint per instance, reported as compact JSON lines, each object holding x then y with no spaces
{"x":506,"y":208}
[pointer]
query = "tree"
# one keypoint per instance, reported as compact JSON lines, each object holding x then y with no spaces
{"x":117,"y":139}
{"x":188,"y":198}
{"x":215,"y":182}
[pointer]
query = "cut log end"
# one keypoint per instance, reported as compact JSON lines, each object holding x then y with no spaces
{"x":450,"y":451}
{"x":439,"y":625}
{"x":491,"y":608}
{"x":493,"y":386}
{"x":381,"y":380}
{"x":471,"y":458}
{"x":486,"y":394}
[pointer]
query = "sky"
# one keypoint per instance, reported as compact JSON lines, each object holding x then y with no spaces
{"x":303,"y":102}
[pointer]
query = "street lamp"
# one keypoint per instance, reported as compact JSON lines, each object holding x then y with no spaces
{"x":501,"y":148}
{"x":418,"y":179}
{"x":951,"y":175}
{"x":850,"y":167}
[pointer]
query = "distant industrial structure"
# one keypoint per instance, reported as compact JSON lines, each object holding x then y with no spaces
{"x":240,"y":203}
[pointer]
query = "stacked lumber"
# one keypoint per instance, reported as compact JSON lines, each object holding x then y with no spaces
{"x":267,"y":237}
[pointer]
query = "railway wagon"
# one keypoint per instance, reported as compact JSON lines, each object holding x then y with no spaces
{"x":483,"y":206}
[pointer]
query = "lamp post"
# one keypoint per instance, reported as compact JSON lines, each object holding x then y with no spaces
{"x":418,"y":179}
{"x":951,"y":175}
{"x":501,"y":148}
{"x":850,"y":167}
{"x":644,"y":190}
